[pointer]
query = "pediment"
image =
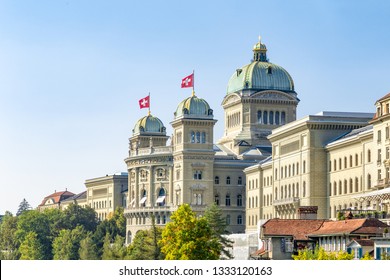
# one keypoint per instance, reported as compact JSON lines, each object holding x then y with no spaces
{"x":273,"y":95}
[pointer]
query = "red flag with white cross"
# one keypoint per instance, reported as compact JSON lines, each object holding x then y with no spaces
{"x":188,"y":81}
{"x":144,"y":102}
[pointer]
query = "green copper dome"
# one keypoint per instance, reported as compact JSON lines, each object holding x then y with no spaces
{"x":260,"y":75}
{"x":194,"y":107}
{"x":149,"y":125}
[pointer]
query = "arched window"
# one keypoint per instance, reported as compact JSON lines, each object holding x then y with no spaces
{"x":271,"y":117}
{"x":197,"y":137}
{"x":277,"y":117}
{"x":216,"y":199}
{"x":203,"y":140}
{"x":259,"y":117}
{"x":276,"y":193}
{"x":239,"y":181}
{"x":227,"y":200}
{"x":192,"y":137}
{"x":239,"y":200}
{"x":283,"y":118}
{"x":369,"y":181}
{"x":304,"y":189}
{"x":216,"y":180}
{"x":161,"y":197}
{"x":369,"y":155}
{"x":239,"y":220}
{"x":265,"y":117}
{"x":228,"y":180}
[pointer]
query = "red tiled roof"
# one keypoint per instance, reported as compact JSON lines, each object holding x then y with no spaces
{"x":384,"y":97}
{"x":363,"y":242}
{"x":299,"y":229}
{"x":352,"y":226}
{"x":57,"y":197}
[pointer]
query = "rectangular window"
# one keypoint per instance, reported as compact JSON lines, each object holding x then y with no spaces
{"x":379,"y":136}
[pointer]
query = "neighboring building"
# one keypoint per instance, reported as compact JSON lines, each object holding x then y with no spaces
{"x":192,"y":169}
{"x":105,"y":194}
{"x":54,"y":200}
{"x":281,"y":238}
{"x":79,"y":199}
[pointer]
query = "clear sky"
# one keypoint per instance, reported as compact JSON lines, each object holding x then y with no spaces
{"x":72,"y":72}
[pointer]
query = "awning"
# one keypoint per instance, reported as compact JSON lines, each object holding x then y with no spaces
{"x":142,"y":201}
{"x":382,"y":194}
{"x":160,"y":199}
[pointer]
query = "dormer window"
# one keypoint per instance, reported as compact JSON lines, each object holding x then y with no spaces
{"x":269,"y":70}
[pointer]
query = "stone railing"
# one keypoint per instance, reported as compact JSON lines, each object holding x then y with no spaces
{"x":284,"y":201}
{"x":150,"y":151}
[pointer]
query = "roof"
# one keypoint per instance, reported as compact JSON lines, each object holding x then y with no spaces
{"x":350,"y":227}
{"x":297,"y":228}
{"x":383,"y":97}
{"x":194,"y":107}
{"x":149,"y":124}
{"x":362,"y":242}
{"x":79,"y":196}
{"x":57,"y":197}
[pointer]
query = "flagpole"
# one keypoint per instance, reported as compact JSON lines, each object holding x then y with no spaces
{"x":149,"y":105}
{"x":193,"y":82}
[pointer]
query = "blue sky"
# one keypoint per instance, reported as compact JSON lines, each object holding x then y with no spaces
{"x":72,"y":72}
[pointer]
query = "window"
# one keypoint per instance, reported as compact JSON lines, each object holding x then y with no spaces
{"x":239,"y":200}
{"x":387,"y":130}
{"x":227,"y":200}
{"x":369,"y":181}
{"x":203,"y":139}
{"x":283,"y":118}
{"x":228,"y":180}
{"x":216,"y":180}
{"x":192,"y":137}
{"x":197,"y":137}
{"x":216,"y":199}
{"x":177,"y":174}
{"x":277,"y":117}
{"x":379,"y":156}
{"x":228,"y":219}
{"x":259,"y":117}
{"x":271,"y":117}
{"x":197,"y":199}
{"x":161,"y":197}
{"x":239,"y":220}
{"x":239,"y":181}
{"x":198,"y":175}
{"x":356,"y":159}
{"x":379,"y":174}
{"x":379,"y":136}
{"x":369,"y":155}
{"x":265,"y":117}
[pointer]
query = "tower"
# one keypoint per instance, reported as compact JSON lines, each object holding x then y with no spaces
{"x":193,"y":153}
{"x":260,"y":97}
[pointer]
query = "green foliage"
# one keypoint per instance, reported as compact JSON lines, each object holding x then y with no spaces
{"x":31,"y":248}
{"x":66,"y":246}
{"x":145,"y":245}
{"x":188,"y":237}
{"x":75,"y":215}
{"x":8,"y":242}
{"x":23,"y":206}
{"x":319,"y":253}
{"x":217,"y":223}
{"x":88,"y":250}
{"x":38,"y":223}
{"x":114,"y":251}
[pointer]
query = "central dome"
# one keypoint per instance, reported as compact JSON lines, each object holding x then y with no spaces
{"x":260,"y":75}
{"x":194,"y":107}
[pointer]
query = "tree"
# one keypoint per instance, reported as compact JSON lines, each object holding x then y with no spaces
{"x":213,"y":215}
{"x":23,"y":206}
{"x":188,"y":237}
{"x":88,"y":249}
{"x":37,"y":222}
{"x":31,"y":248}
{"x":319,"y":253}
{"x":145,"y":245}
{"x":114,"y":251}
{"x":8,"y":242}
{"x":75,"y":215}
{"x":66,"y":246}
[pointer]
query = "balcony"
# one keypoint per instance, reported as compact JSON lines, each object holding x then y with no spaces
{"x":150,"y":151}
{"x":285,"y":201}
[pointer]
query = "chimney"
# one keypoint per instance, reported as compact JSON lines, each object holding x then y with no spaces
{"x":307,"y":212}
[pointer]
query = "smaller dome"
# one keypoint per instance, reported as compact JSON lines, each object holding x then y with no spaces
{"x":259,"y":46}
{"x":194,"y":107}
{"x":149,"y":125}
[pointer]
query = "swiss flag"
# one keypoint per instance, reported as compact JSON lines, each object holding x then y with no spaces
{"x":144,"y":102}
{"x":188,"y":81}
